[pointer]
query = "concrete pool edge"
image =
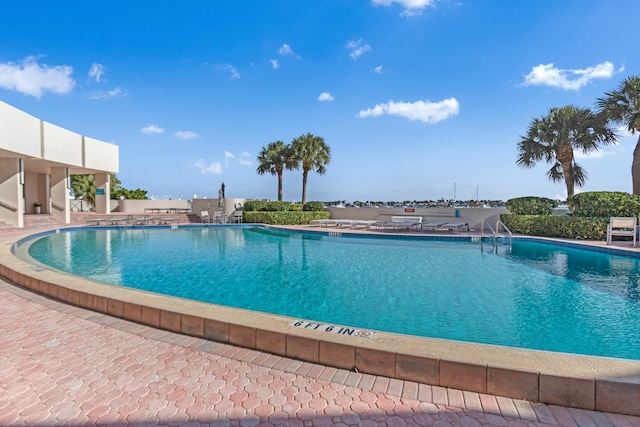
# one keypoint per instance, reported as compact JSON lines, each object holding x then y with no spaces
{"x":609,"y":385}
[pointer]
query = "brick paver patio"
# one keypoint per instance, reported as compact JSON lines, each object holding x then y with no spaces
{"x":61,"y":365}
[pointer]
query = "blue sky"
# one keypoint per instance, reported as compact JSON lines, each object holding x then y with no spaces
{"x":414,"y":97}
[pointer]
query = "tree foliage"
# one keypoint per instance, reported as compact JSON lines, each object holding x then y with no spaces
{"x":554,"y":137}
{"x":311,"y":154}
{"x":274,"y":159}
{"x":84,"y":188}
{"x":622,"y":106}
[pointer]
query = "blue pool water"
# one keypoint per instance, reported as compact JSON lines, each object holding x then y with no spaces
{"x":537,"y":295}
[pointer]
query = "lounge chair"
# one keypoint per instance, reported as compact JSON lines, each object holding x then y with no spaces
{"x":366,"y":223}
{"x":432,"y":225}
{"x":112,"y":221}
{"x":398,"y":222}
{"x":622,"y":226}
{"x":167,"y":220}
{"x":454,"y":225}
{"x":145,"y":220}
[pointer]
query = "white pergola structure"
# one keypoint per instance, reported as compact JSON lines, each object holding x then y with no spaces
{"x":36,"y":160}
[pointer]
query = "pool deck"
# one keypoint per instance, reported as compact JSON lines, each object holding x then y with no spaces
{"x":64,"y":364}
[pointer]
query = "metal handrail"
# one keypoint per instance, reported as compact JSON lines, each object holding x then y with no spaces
{"x":504,"y":226}
{"x":7,"y":206}
{"x":493,"y":232}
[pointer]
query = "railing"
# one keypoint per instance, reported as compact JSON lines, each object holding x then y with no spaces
{"x":495,"y":233}
{"x":9,"y":207}
{"x":505,"y":228}
{"x":485,"y":222}
{"x":57,"y":207}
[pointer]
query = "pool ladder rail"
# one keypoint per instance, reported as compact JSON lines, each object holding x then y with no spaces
{"x":495,"y":233}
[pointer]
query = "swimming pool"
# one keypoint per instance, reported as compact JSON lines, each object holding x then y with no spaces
{"x":537,"y":295}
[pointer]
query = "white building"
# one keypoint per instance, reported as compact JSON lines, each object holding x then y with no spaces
{"x":36,"y":159}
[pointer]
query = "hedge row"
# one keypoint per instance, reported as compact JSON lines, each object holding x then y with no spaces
{"x":604,"y":204}
{"x":531,"y":205}
{"x":279,"y":206}
{"x":569,"y":227}
{"x":284,"y":218}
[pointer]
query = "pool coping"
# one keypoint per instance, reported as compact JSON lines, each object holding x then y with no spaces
{"x":586,"y":382}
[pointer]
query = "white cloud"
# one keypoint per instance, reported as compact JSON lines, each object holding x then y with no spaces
{"x":548,"y":75}
{"x":325,"y":96}
{"x":425,"y":111}
{"x":623,"y":132}
{"x":286,"y":50}
{"x":152,"y":130}
{"x":357,"y":48}
{"x":602,"y":152}
{"x":96,"y":71}
{"x":108,"y":94}
{"x":31,"y":78}
{"x":185,"y":134}
{"x":213,"y":168}
{"x":228,"y":155}
{"x":231,"y":69}
{"x":411,"y":7}
{"x":378,"y":69}
{"x":245,"y":159}
{"x":274,"y":64}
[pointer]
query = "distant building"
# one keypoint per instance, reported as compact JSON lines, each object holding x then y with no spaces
{"x":36,"y":160}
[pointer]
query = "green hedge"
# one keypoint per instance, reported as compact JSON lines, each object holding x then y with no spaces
{"x":262,"y":206}
{"x":284,"y":218}
{"x":568,"y":227}
{"x":531,"y":205}
{"x":604,"y":204}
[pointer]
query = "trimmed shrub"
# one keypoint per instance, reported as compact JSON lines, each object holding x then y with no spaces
{"x":568,"y":227}
{"x":313,"y":206}
{"x":604,"y":204}
{"x":262,"y":206}
{"x":531,"y":205}
{"x":284,"y":218}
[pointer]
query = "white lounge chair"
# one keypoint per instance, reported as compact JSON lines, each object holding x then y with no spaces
{"x":363,"y":222}
{"x":434,"y":225}
{"x":398,"y":222}
{"x":454,"y":225}
{"x":622,"y":226}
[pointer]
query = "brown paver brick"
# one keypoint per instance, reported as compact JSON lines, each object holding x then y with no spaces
{"x":64,"y":365}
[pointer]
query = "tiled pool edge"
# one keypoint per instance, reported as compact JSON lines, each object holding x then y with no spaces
{"x":420,"y":360}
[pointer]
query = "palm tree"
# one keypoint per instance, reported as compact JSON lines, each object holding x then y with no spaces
{"x":311,"y":153}
{"x":84,"y":187}
{"x":274,"y":159}
{"x":623,"y":106}
{"x":554,"y":137}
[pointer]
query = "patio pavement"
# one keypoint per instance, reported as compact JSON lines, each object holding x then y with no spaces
{"x":62,"y":365}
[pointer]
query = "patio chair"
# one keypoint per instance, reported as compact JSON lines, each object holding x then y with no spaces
{"x":205,"y":217}
{"x":622,"y":226}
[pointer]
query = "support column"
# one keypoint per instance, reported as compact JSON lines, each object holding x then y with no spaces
{"x":11,"y":192}
{"x":60,"y":205}
{"x":103,"y":193}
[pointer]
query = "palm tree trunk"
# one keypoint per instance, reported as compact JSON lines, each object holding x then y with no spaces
{"x":635,"y":168}
{"x":279,"y":186}
{"x":305,"y":172}
{"x":564,"y":155}
{"x":568,"y":180}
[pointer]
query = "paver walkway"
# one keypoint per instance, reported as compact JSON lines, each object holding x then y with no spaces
{"x":62,"y":365}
